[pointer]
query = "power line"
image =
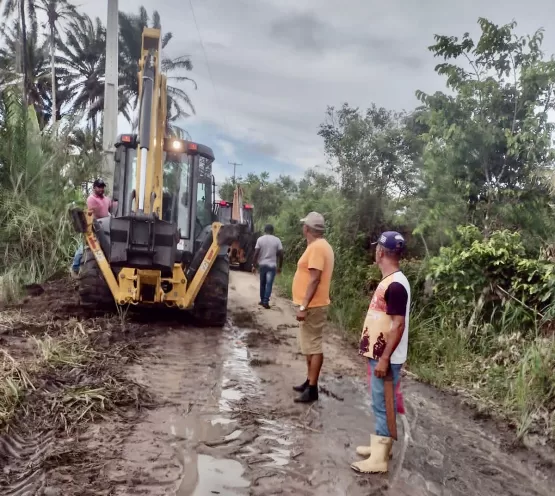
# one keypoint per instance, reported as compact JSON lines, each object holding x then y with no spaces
{"x":208,"y":65}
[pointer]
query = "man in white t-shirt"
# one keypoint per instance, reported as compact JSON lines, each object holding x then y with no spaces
{"x":268,"y":257}
{"x":384,"y":343}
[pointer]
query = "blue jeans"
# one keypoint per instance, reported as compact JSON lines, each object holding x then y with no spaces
{"x":378,"y":396}
{"x":77,"y":259}
{"x":267,"y":276}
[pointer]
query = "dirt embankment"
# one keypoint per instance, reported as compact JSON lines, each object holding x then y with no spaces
{"x":204,"y":411}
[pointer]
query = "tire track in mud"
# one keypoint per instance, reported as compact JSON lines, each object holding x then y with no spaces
{"x":19,"y":448}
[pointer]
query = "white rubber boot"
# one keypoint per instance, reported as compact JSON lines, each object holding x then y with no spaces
{"x":380,"y":453}
{"x":366,"y":451}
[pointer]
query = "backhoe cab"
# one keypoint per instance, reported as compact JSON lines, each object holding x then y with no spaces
{"x":161,"y":245}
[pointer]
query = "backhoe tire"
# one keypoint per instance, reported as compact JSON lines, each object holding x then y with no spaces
{"x":210,"y":308}
{"x":94,"y":293}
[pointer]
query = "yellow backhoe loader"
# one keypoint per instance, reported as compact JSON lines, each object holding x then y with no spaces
{"x":160,"y":246}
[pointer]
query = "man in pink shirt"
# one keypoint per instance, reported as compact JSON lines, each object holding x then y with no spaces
{"x":100,"y":204}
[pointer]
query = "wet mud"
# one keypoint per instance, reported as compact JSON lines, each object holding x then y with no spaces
{"x":223,"y":421}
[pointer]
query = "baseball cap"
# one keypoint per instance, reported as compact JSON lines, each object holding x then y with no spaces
{"x":391,"y":240}
{"x":99,"y":183}
{"x":314,"y":220}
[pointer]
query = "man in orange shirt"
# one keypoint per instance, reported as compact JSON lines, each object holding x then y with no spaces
{"x":311,"y":291}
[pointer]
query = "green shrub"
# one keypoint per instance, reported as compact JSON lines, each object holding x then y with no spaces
{"x":40,"y":177}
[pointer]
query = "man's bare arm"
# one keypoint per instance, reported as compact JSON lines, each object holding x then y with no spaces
{"x":396,"y":333}
{"x":255,"y":258}
{"x":315,"y":276}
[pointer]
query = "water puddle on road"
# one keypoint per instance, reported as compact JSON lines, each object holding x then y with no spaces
{"x":205,"y":474}
{"x":218,"y":476}
{"x":237,"y":375}
{"x":212,"y":476}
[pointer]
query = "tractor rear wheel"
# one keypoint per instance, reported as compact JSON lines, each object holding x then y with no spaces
{"x":247,"y":265}
{"x":210,"y":308}
{"x":94,"y":293}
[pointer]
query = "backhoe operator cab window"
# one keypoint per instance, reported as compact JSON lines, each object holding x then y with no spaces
{"x":187,"y":185}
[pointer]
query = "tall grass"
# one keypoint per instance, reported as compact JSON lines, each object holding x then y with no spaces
{"x":40,"y":176}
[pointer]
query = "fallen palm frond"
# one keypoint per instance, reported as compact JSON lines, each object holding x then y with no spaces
{"x":14,"y":381}
{"x":70,"y":376}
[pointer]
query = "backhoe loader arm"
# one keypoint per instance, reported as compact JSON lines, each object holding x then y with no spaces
{"x":152,"y":125}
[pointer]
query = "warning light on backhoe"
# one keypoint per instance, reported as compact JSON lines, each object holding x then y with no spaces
{"x":193,"y":146}
{"x":126,"y":138}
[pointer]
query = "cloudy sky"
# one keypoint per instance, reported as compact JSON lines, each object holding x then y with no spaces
{"x":277,"y":64}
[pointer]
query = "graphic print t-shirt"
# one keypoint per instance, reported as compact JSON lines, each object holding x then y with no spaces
{"x":392,"y":297}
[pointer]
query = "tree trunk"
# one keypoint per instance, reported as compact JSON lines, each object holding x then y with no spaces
{"x":93,"y":128}
{"x":24,"y":50}
{"x":53,"y":69}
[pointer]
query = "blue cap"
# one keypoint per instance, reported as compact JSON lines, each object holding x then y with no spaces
{"x":391,"y":240}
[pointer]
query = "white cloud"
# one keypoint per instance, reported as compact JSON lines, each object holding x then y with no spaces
{"x":228,"y":148}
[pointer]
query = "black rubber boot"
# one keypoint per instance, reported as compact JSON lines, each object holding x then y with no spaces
{"x":309,"y":395}
{"x":301,"y":388}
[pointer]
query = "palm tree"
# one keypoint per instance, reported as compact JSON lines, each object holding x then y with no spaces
{"x":83,"y":58}
{"x":55,"y":10}
{"x":130,"y":34}
{"x":37,"y":76}
{"x":11,"y":7}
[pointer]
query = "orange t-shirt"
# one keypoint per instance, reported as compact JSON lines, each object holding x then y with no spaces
{"x":318,"y":255}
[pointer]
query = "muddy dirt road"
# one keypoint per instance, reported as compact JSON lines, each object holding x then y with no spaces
{"x":225,"y":423}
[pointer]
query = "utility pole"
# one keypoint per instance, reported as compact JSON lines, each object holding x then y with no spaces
{"x":111,"y":94}
{"x":235,"y":164}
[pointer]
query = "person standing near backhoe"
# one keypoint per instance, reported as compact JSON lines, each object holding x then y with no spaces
{"x":100,"y":205}
{"x":268,"y":257}
{"x":384,"y":342}
{"x":311,"y":292}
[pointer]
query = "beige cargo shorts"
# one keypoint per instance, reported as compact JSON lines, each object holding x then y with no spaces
{"x":311,"y":331}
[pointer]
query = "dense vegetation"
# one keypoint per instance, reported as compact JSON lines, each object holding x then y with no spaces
{"x":52,"y":60}
{"x":466,"y":177}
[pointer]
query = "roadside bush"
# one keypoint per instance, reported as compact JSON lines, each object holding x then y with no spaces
{"x":40,"y":176}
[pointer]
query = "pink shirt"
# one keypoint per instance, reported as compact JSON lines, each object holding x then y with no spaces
{"x":99,"y":205}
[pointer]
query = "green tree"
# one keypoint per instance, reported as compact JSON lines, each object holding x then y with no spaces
{"x":489,"y":142}
{"x":376,"y":157}
{"x":24,"y":9}
{"x":56,"y":11}
{"x":82,"y":56}
{"x":83,"y":59}
{"x":38,"y":71}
